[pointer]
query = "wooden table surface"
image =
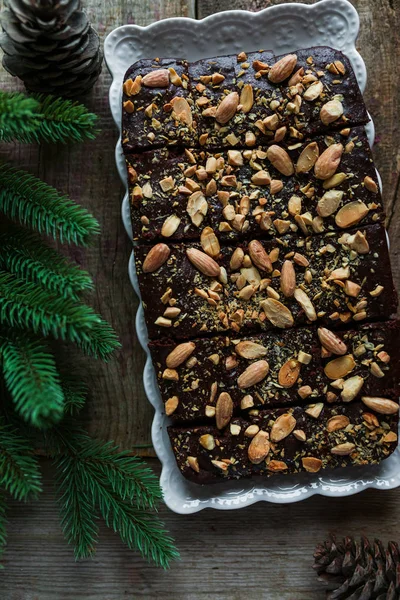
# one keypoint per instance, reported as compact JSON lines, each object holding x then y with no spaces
{"x":260,"y":552}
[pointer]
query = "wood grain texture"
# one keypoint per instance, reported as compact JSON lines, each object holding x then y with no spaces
{"x":263,"y":552}
{"x":118,"y":408}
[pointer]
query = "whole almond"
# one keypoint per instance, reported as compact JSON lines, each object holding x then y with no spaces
{"x":170,"y":225}
{"x":246,"y":98}
{"x":181,"y":110}
{"x":277,"y":313}
{"x":259,"y":256}
{"x":223,"y":410}
{"x":250,"y":350}
{"x":383,"y":406}
{"x":311,"y":464}
{"x":280,"y":159}
{"x":331,"y":111}
{"x":258,"y":448}
{"x":254,"y":373}
{"x":307,"y":158}
{"x":209,"y":242}
{"x":328,"y":161}
{"x":282,"y":69}
{"x":171,"y":405}
{"x":337,"y":422}
{"x":305,"y":304}
{"x":340,"y":367}
{"x":204,"y":263}
{"x":331,"y":341}
{"x":282,"y":427}
{"x":289,"y":373}
{"x":156,"y":258}
{"x":288,"y":279}
{"x":343,"y":449}
{"x":236,"y":259}
{"x":227,"y":108}
{"x":350,"y":214}
{"x":158,"y":78}
{"x":179,"y":354}
{"x":329,"y":203}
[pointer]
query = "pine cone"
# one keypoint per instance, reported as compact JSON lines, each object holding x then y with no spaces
{"x":50,"y":45}
{"x":359,"y":570}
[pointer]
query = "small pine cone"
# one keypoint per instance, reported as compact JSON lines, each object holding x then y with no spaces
{"x":51,"y":46}
{"x":359,"y":570}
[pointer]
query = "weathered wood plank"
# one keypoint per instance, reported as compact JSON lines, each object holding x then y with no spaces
{"x":118,"y":408}
{"x":262,"y":552}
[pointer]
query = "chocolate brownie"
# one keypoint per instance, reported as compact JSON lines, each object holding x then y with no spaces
{"x":156,"y":105}
{"x":284,"y":441}
{"x":276,"y":369}
{"x":260,"y":192}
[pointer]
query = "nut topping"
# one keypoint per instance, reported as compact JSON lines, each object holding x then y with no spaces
{"x":306,"y":304}
{"x":351,"y":388}
{"x":223,"y":410}
{"x":207,"y":441}
{"x":282,"y":69}
{"x":259,"y":256}
{"x":179,"y":354}
{"x":280,"y":159}
{"x":204,"y":263}
{"x":171,"y":405}
{"x":328,"y":161}
{"x":289,"y":373}
{"x":170,"y":225}
{"x":277,"y":313}
{"x":193,"y":463}
{"x":340,"y":367}
{"x":350,"y":214}
{"x":158,"y":78}
{"x":311,"y":464}
{"x":307,"y":158}
{"x":382,"y":406}
{"x":288,"y":279}
{"x":282,"y":427}
{"x":259,"y":448}
{"x":246,"y":98}
{"x":254,"y":373}
{"x":329,"y":203}
{"x":331,"y":111}
{"x":197,"y":208}
{"x":343,"y":449}
{"x":331,"y":341}
{"x":181,"y":110}
{"x":155,"y":258}
{"x":209,"y":242}
{"x":250,"y":350}
{"x":227,"y":108}
{"x":336,"y":423}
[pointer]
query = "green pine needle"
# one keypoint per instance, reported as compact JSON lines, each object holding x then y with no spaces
{"x":25,"y":255}
{"x":120,"y":487}
{"x":3,"y":523}
{"x":32,"y":202}
{"x":44,"y":118}
{"x":63,"y":120}
{"x":19,"y":469}
{"x":78,"y":518}
{"x":75,"y":391}
{"x":31,"y":378}
{"x":18,"y":116}
{"x":25,"y":306}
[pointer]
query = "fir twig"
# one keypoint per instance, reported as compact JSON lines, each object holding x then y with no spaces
{"x":44,"y":118}
{"x":3,"y":523}
{"x":25,"y":306}
{"x":18,"y":116}
{"x":75,"y":391}
{"x":63,"y":120}
{"x":19,"y":470}
{"x":31,"y":378}
{"x":32,"y":202}
{"x":120,"y":488}
{"x":25,"y":255}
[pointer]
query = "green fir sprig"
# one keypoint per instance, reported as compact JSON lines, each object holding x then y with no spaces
{"x":31,"y":202}
{"x":40,"y":118}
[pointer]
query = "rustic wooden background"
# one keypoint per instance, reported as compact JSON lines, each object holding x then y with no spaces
{"x":260,"y":552}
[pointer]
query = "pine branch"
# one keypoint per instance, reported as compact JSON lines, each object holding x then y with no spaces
{"x":25,"y":255}
{"x":3,"y":523}
{"x":32,"y":202}
{"x":98,"y":472}
{"x":31,"y":378}
{"x":78,"y":520}
{"x":75,"y":391}
{"x":44,"y":118}
{"x":25,"y":306}
{"x":19,"y":116}
{"x":63,"y":120}
{"x":19,"y":470}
